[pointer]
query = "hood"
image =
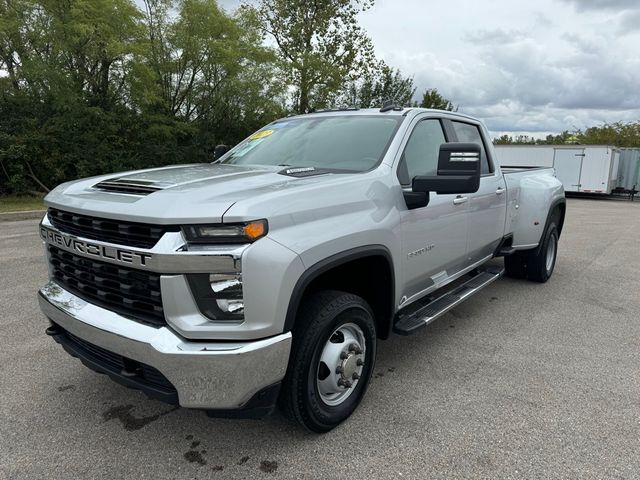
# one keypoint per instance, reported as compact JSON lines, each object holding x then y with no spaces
{"x":176,"y":194}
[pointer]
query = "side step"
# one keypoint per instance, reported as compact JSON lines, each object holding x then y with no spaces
{"x":409,"y":323}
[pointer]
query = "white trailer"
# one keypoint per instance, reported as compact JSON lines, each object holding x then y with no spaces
{"x":629,"y":169}
{"x":580,"y":168}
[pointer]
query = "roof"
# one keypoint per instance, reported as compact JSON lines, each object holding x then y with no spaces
{"x":376,"y":111}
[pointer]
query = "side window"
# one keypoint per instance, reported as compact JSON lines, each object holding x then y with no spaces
{"x":467,"y":133}
{"x":420,"y":155}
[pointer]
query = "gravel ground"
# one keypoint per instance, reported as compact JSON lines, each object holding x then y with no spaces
{"x":522,"y":381}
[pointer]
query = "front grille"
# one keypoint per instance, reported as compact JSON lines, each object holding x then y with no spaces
{"x":131,"y":234}
{"x":133,"y":293}
{"x":136,"y":374}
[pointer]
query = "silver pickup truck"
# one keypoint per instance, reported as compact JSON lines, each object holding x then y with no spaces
{"x":268,"y":276}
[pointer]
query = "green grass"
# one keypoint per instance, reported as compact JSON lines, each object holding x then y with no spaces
{"x":19,"y":203}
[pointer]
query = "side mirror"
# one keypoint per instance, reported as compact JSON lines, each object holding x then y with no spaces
{"x":219,"y":151}
{"x":458,"y":170}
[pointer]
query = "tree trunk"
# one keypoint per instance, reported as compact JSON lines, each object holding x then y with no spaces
{"x":303,"y":102}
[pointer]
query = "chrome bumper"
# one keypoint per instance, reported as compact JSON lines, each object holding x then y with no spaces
{"x":209,"y":375}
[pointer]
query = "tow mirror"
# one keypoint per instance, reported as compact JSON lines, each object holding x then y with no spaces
{"x":458,"y":170}
{"x":219,"y":151}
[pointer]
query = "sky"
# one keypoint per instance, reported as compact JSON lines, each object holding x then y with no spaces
{"x":524,"y":67}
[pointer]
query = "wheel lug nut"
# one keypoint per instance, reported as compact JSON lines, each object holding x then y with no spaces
{"x":358,"y":350}
{"x":341,"y":382}
{"x":359,"y":362}
{"x":344,"y":355}
{"x":353,"y":347}
{"x":355,"y":376}
{"x":347,"y":383}
{"x":339,"y":369}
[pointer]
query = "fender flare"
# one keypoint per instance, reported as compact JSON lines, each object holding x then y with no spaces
{"x":317,"y":269}
{"x":556,"y":203}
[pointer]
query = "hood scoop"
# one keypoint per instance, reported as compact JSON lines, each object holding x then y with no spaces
{"x":302,"y":171}
{"x":131,"y":186}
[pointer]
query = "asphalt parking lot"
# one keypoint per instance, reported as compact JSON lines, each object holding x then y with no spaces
{"x":522,"y":381}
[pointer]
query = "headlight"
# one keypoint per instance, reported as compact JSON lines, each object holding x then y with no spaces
{"x":230,"y":233}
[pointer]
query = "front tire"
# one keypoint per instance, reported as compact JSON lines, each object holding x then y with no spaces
{"x":332,"y":358}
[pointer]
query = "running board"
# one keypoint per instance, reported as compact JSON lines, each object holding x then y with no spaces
{"x":409,"y":323}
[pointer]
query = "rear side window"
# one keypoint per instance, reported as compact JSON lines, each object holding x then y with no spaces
{"x":420,"y":155}
{"x":468,"y":133}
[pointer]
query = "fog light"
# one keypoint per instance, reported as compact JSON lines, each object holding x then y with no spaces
{"x":218,"y":295}
{"x":231,"y":306}
{"x":228,"y":292}
{"x":226,"y":284}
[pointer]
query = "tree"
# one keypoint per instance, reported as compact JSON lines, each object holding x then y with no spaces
{"x":381,"y":85}
{"x":320,"y":45}
{"x":517,"y":140}
{"x":64,"y":59}
{"x":431,"y":98}
{"x":619,"y":134}
{"x":95,"y":86}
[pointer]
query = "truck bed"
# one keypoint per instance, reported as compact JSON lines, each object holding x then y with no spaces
{"x":526,"y":215}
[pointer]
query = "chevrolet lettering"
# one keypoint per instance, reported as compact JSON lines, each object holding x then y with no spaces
{"x":84,"y":247}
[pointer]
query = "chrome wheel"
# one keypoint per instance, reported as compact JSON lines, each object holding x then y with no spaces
{"x":551,"y":253}
{"x":341,"y":363}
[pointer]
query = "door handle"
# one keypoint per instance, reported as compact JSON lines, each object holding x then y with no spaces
{"x":500,"y":191}
{"x":459,"y":200}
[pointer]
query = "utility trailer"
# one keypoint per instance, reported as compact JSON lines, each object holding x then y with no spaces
{"x":628,"y":180}
{"x":629,"y":169}
{"x":581,"y":168}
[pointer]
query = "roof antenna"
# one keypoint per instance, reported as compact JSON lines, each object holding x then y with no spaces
{"x":388,"y":105}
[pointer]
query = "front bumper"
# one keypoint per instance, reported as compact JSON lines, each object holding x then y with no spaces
{"x":208,"y":375}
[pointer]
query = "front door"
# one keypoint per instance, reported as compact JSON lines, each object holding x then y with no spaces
{"x":434,"y":238}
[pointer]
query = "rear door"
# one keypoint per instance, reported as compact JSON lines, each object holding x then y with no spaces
{"x":434,"y":237}
{"x":568,"y":165}
{"x":488,"y":206}
{"x":596,"y":170}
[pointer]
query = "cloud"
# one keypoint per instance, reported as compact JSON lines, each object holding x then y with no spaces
{"x":517,"y":69}
{"x":229,"y":5}
{"x":495,"y":36}
{"x":603,"y":4}
{"x":630,"y":22}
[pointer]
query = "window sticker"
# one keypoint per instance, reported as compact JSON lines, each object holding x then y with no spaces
{"x":260,"y":134}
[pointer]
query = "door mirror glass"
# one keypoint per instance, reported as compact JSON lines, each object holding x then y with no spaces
{"x":458,"y":170}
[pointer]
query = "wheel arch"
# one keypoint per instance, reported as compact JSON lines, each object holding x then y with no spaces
{"x":356,"y":263}
{"x":558,"y":205}
{"x":561,"y":205}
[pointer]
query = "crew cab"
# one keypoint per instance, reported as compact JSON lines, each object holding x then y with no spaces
{"x":270,"y":275}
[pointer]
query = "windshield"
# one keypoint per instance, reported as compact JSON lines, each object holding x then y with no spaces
{"x":354,"y":143}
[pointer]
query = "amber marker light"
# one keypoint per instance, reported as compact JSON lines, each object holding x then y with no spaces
{"x":255,"y":230}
